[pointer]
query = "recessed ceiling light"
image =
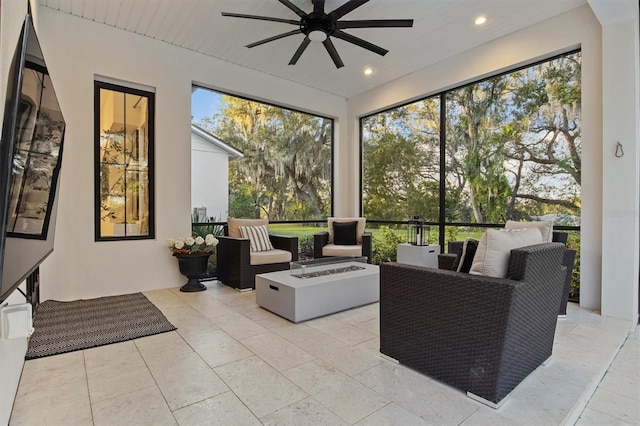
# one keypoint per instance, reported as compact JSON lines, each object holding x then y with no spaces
{"x":368,"y":71}
{"x":480,"y":20}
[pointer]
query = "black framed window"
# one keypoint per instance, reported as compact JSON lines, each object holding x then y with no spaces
{"x":124,"y":165}
{"x":286,"y":169}
{"x":502,"y":148}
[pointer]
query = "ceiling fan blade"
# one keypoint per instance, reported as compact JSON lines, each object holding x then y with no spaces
{"x":333,"y":52}
{"x":293,"y":7}
{"x":261,"y":18}
{"x":276,"y":37}
{"x":347,"y":7}
{"x":375,"y":23}
{"x":300,"y":50}
{"x":318,"y":7}
{"x":360,"y":42}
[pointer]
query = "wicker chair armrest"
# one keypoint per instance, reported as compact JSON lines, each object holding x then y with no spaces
{"x":233,"y":246}
{"x":320,"y":240}
{"x":454,"y":246}
{"x":560,"y":237}
{"x":536,"y":261}
{"x":233,"y":254}
{"x":446,"y":261}
{"x":367,"y":246}
{"x":285,"y":242}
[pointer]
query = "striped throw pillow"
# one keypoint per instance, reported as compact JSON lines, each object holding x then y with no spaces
{"x":258,"y":237}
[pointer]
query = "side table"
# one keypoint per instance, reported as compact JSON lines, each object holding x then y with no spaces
{"x":418,"y":255}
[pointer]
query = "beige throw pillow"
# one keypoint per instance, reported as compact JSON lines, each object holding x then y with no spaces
{"x":258,"y":237}
{"x":235,"y":224}
{"x":494,"y":249}
{"x":546,"y":228}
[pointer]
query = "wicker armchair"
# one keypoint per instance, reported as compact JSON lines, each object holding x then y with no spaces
{"x":446,"y":261}
{"x":323,"y":244}
{"x":238,"y":266}
{"x":480,"y":334}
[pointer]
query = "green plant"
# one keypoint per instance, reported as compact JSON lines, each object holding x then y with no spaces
{"x":452,"y":233}
{"x":305,"y":246}
{"x":574,"y":243}
{"x":385,"y":246}
{"x":204,"y":230}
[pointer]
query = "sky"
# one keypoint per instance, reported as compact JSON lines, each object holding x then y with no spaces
{"x":204,"y":103}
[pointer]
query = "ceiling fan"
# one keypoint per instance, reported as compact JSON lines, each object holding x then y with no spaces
{"x":321,"y":26}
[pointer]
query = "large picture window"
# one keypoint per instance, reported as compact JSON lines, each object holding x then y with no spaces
{"x":503,"y":148}
{"x":124,"y":140}
{"x":285,"y":172}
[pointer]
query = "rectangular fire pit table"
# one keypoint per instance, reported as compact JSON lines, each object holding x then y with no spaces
{"x":319,"y":287}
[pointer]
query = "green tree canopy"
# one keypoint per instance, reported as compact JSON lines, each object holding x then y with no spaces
{"x":286,"y":168}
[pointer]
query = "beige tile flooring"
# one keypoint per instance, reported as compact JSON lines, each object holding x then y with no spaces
{"x":231,"y":362}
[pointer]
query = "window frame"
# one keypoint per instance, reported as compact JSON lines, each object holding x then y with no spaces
{"x":293,"y":109}
{"x":442,"y":94}
{"x":98,"y":85}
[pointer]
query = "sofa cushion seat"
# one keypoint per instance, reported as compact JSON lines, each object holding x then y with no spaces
{"x":340,"y":250}
{"x":269,"y":256}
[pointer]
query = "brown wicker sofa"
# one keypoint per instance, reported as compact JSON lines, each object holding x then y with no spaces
{"x":480,"y":334}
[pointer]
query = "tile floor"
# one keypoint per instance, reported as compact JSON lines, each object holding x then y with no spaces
{"x":232,"y":363}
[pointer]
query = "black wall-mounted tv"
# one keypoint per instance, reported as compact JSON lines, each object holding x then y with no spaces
{"x":30,"y":159}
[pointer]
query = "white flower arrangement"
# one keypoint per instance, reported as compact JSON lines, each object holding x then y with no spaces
{"x":192,"y":245}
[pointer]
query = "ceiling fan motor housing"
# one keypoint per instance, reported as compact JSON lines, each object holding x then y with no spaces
{"x":316,"y":22}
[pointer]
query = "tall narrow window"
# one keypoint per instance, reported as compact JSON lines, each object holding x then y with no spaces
{"x":124,"y":139}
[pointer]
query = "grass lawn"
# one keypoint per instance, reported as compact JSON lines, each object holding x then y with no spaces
{"x":301,"y":231}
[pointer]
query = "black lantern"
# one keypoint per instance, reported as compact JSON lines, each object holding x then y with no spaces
{"x":417,"y":232}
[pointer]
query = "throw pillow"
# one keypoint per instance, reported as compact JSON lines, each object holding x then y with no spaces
{"x":494,"y":249}
{"x":258,"y":237}
{"x":546,"y":228}
{"x":344,"y":233}
{"x":464,"y":259}
{"x":359,"y":229}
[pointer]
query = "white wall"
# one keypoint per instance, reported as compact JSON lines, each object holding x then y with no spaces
{"x":578,"y":28}
{"x":209,"y":178}
{"x":76,"y":50}
{"x":12,"y":351}
{"x":621,"y":124}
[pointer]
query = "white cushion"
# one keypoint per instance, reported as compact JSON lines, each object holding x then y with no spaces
{"x":494,"y":249}
{"x":258,"y":237}
{"x":546,"y":228}
{"x":336,"y":250}
{"x":359,"y":228}
{"x":270,"y":256}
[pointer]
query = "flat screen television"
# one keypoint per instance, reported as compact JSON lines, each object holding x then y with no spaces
{"x":30,"y":158}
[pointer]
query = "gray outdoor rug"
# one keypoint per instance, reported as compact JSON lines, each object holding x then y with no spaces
{"x":71,"y":326}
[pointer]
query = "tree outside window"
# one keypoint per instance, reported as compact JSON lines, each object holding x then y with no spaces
{"x":512,"y":146}
{"x":285,"y":171}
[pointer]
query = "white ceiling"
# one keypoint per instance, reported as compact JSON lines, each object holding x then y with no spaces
{"x":442,"y":28}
